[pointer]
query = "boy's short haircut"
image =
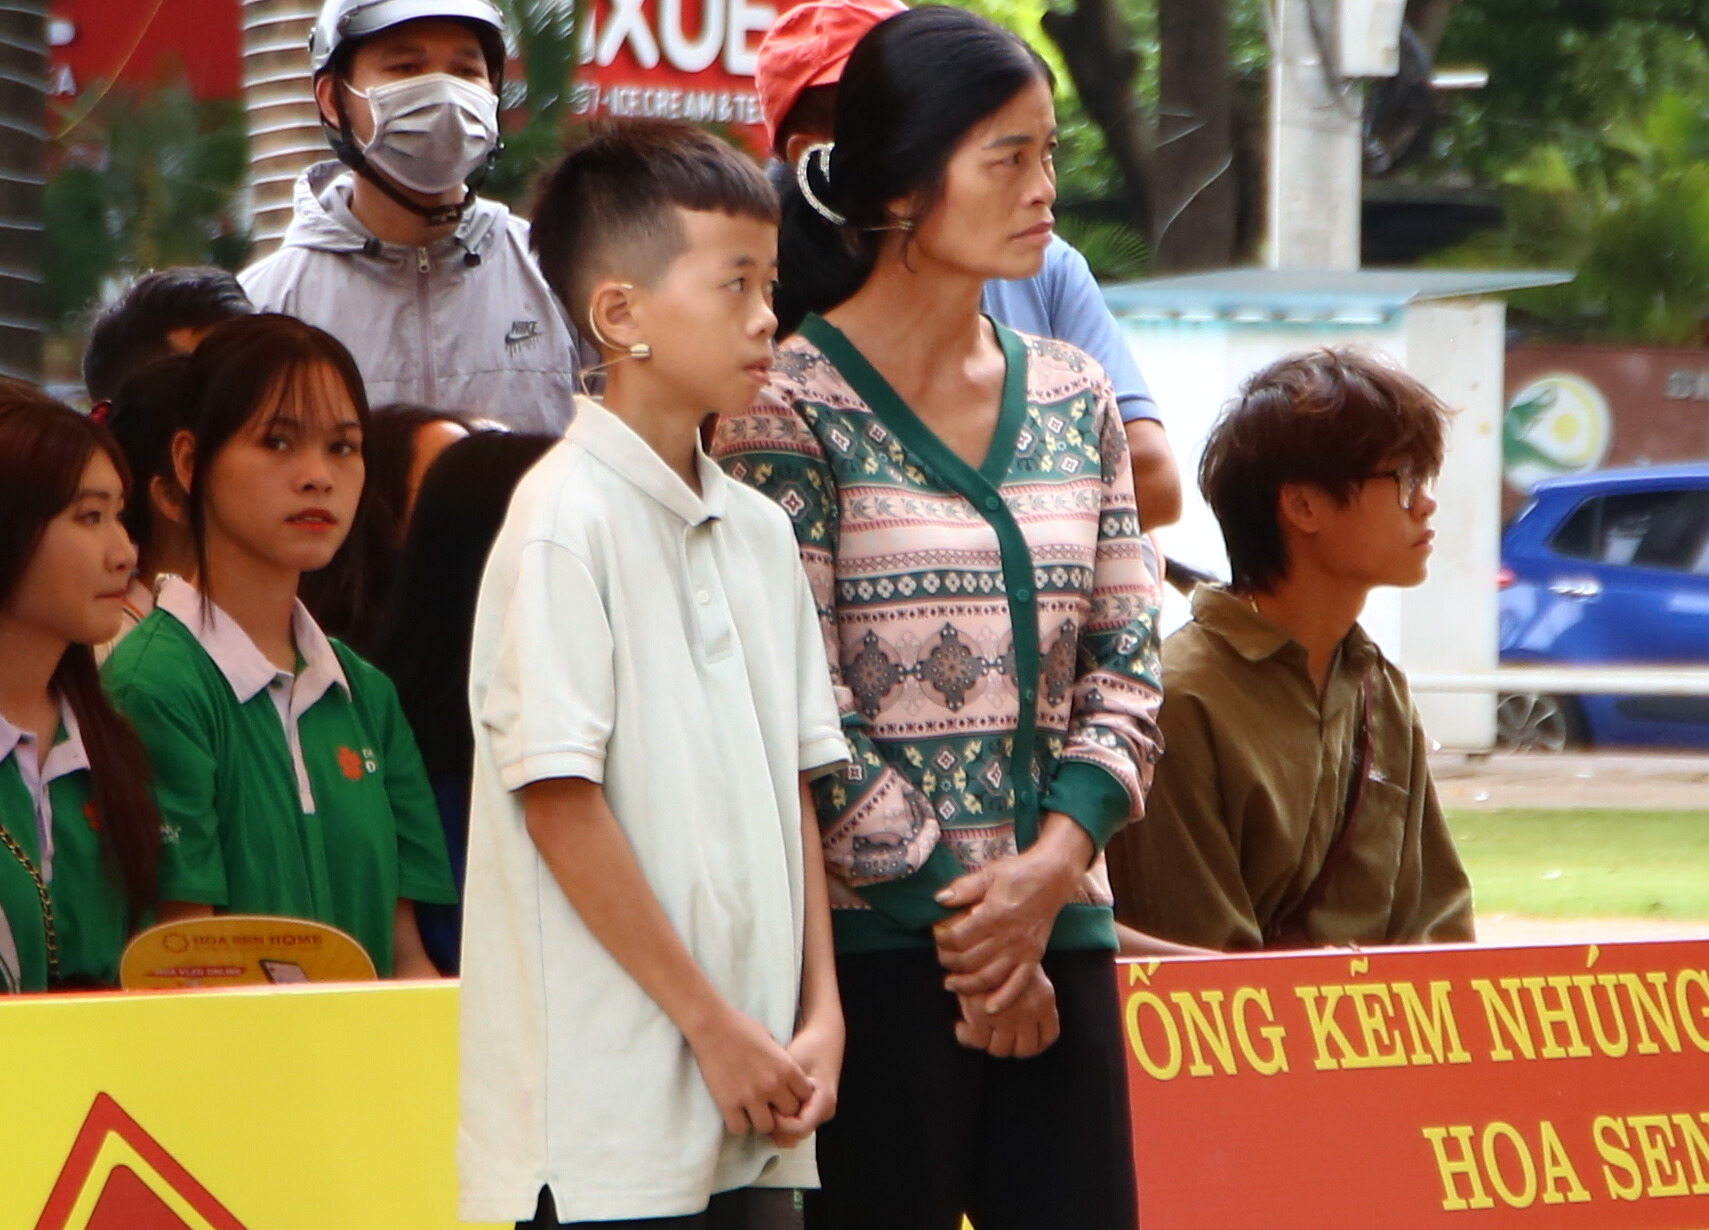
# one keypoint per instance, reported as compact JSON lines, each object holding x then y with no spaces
{"x":609,"y":206}
{"x":132,"y":331}
{"x":1330,"y":418}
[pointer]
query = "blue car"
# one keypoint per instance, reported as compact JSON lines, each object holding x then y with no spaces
{"x":1600,"y":568}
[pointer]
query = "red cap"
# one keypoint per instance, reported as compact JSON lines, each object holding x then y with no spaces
{"x":808,"y":46}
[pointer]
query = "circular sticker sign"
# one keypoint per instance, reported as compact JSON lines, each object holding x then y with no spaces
{"x":232,"y":949}
{"x":1558,"y":424}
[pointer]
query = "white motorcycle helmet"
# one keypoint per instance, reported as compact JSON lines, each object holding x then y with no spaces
{"x":348,"y":21}
{"x":344,"y":23}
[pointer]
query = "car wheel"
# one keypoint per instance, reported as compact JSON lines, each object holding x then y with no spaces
{"x":1533,"y":722}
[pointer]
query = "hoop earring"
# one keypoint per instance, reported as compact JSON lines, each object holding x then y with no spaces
{"x":640,"y":350}
{"x":822,"y":152}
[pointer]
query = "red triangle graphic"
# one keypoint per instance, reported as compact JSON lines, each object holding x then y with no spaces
{"x":126,"y":1202}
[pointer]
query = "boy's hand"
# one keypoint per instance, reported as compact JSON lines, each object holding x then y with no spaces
{"x":752,"y":1079}
{"x":1025,"y":1029}
{"x":818,"y":1048}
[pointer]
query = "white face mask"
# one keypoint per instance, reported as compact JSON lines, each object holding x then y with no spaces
{"x":430,"y":132}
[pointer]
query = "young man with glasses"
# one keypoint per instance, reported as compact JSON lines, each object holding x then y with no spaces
{"x":1293,"y":806}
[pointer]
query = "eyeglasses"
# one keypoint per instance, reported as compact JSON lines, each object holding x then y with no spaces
{"x":1409,"y":486}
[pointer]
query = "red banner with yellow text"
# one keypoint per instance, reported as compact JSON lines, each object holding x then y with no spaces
{"x":1550,"y":1087}
{"x":676,"y":59}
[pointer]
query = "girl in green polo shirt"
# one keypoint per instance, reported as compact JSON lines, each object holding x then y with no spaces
{"x":79,"y":835}
{"x":287,"y":778}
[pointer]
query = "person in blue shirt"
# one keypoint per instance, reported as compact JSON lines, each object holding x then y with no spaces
{"x":799,"y":64}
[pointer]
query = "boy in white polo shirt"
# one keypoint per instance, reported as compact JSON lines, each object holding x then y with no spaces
{"x":650,"y":1024}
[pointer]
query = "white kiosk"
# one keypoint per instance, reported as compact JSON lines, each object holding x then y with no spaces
{"x":1198,"y":337}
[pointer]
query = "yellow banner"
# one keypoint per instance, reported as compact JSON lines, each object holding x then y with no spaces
{"x":288,"y":1108}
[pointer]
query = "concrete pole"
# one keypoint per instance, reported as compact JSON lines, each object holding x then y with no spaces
{"x":1316,"y":121}
{"x":283,"y":121}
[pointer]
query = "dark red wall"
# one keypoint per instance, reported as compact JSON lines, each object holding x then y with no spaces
{"x":136,"y":40}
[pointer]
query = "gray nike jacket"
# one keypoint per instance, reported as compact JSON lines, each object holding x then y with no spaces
{"x":466,"y":323}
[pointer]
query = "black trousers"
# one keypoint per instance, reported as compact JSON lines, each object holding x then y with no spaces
{"x":746,"y":1208}
{"x":927,"y":1130}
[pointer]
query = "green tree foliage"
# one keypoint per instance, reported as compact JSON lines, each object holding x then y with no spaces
{"x":162,"y":194}
{"x":1594,"y":126}
{"x":1634,"y":223}
{"x":1115,"y":252}
{"x":81,"y":248}
{"x":1561,"y":71}
{"x":544,"y":34}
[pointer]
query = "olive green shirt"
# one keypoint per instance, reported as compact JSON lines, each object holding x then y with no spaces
{"x":1253,"y":788}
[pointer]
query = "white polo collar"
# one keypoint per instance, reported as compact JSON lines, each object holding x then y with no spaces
{"x":244,"y":666}
{"x":66,"y":756}
{"x":617,"y":444}
{"x":38,"y":772}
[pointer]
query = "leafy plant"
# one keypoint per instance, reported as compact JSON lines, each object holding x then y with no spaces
{"x":1116,"y":253}
{"x":81,"y":249}
{"x":547,"y":44}
{"x":1560,"y":72}
{"x":163,"y":193}
{"x":1634,"y":223}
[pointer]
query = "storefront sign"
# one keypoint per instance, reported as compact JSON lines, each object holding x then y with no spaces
{"x":1572,"y":408}
{"x":1556,"y":1087}
{"x":675,"y":59}
{"x":1557,"y":424}
{"x":142,"y":42}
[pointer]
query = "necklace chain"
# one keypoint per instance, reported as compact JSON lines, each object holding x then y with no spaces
{"x":17,"y":851}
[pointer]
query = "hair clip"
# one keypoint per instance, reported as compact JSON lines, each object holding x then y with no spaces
{"x":822,"y":152}
{"x":101,"y":411}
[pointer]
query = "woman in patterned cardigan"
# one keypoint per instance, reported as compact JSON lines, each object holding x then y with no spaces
{"x":965,"y":510}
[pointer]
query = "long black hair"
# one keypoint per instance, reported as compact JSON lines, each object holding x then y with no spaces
{"x":915,"y":85}
{"x":423,"y":643}
{"x":44,"y":448}
{"x":348,"y":597}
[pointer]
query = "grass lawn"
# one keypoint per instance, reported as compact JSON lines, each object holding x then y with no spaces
{"x":1587,"y":864}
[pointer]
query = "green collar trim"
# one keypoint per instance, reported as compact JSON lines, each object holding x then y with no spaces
{"x":900,"y":418}
{"x":981,"y":488}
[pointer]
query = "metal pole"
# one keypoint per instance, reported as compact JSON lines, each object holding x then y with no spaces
{"x":1632,"y":680}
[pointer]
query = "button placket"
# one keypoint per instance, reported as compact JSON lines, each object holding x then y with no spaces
{"x":712,"y":616}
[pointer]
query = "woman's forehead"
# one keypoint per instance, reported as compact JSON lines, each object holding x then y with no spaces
{"x":310,"y":393}
{"x":100,"y":475}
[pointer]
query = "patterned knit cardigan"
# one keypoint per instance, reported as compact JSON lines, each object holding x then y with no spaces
{"x":991,"y":631}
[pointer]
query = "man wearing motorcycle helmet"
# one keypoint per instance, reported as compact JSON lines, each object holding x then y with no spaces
{"x":390,"y":248}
